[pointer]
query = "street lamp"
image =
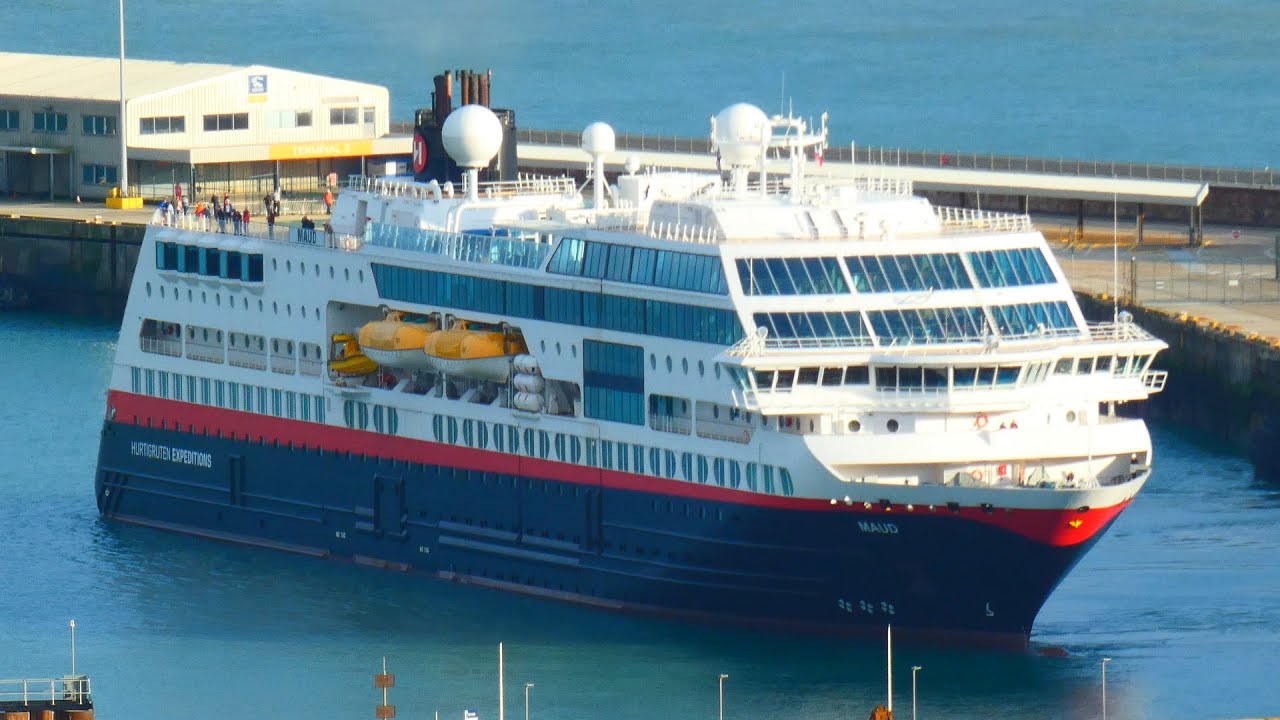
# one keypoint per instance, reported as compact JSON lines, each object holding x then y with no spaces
{"x":526,"y":700}
{"x":723,"y":677}
{"x":73,"y":647}
{"x":1104,"y":687}
{"x":914,"y":669}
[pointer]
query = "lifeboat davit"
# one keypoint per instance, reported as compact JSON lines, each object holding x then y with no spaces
{"x":474,"y":350}
{"x":397,"y":340}
{"x":346,"y":358}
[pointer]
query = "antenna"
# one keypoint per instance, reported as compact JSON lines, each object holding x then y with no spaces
{"x":1115,"y":257}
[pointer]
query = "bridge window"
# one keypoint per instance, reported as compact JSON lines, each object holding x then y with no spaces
{"x":1028,"y":319}
{"x":927,"y":325}
{"x":1008,"y":268}
{"x":908,"y":273}
{"x":791,"y":276}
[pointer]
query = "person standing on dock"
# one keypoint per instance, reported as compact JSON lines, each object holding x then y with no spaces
{"x":328,"y":201}
{"x":271,"y":224}
{"x":235,"y":219}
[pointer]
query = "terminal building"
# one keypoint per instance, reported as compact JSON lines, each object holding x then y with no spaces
{"x":210,"y":128}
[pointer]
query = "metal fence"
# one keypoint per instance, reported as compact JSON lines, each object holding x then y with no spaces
{"x":1162,"y":281}
{"x":876,"y":155}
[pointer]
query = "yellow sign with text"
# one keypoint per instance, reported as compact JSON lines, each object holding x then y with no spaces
{"x":304,"y":151}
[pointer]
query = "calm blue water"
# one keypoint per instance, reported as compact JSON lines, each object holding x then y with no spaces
{"x":1186,"y":81}
{"x":1182,"y":594}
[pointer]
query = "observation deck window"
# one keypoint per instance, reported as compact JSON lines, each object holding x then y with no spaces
{"x":791,"y":276}
{"x":1011,"y":268}
{"x":908,"y":273}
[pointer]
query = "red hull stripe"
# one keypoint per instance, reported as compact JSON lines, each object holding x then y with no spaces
{"x":1052,"y":527}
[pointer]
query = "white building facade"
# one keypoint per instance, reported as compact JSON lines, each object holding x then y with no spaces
{"x":209,"y":128}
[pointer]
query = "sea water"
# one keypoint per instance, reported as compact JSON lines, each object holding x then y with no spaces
{"x":1181,"y":593}
{"x":1163,"y":81}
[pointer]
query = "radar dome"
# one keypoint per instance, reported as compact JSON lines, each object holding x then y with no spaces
{"x":472,"y":135}
{"x":738,"y":132}
{"x":598,"y":139}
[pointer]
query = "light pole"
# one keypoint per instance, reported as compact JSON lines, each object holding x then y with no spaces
{"x":723,"y":677}
{"x":123,"y":124}
{"x":914,"y":669}
{"x":73,"y":647}
{"x":527,"y":686}
{"x":1104,"y":687}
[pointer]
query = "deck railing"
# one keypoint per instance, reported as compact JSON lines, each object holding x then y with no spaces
{"x":71,"y":689}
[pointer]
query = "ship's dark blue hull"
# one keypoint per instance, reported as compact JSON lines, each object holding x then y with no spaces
{"x":936,"y":574}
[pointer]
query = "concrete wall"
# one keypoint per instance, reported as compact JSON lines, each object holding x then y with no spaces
{"x":70,"y":266}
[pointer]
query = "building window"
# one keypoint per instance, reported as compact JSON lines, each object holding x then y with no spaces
{"x":50,"y":122}
{"x":9,"y":120}
{"x":226,"y":121}
{"x":98,"y":174}
{"x":285,"y":119}
{"x":344,"y":116}
{"x":368,"y":115}
{"x":162,"y":125}
{"x":99,"y":124}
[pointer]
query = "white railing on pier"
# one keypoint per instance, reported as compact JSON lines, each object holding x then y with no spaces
{"x":969,"y":220}
{"x":71,"y":689}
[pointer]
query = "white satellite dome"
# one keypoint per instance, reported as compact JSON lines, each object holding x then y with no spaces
{"x":739,"y":131}
{"x":472,"y":135}
{"x":598,"y":139}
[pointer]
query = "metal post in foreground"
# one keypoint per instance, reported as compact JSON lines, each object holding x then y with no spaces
{"x":527,"y":686}
{"x":914,"y":669}
{"x":1105,"y":660}
{"x":723,"y":677}
{"x":123,"y":124}
{"x":73,"y":647}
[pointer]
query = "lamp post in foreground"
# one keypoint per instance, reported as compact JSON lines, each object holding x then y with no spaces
{"x":914,"y":669}
{"x":527,"y":686}
{"x":723,"y":677}
{"x":120,"y":126}
{"x":1104,"y":687}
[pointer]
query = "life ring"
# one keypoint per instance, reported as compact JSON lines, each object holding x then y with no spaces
{"x":976,"y":475}
{"x":1002,"y":470}
{"x":980,"y":422}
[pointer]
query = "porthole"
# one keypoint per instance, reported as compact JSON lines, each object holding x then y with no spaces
{"x":288,"y":266}
{"x":653,"y":361}
{"x":573,"y":350}
{"x":189,"y":296}
{"x":162,"y":291}
{"x":259,"y":305}
{"x":557,"y":348}
{"x":854,"y":426}
{"x":1071,"y":416}
{"x":669,"y":366}
{"x":274,"y":264}
{"x":543,"y":345}
{"x":245,"y":302}
{"x":330,"y":272}
{"x":148,"y":289}
{"x":702,"y":370}
{"x":303,"y":309}
{"x":346,"y":274}
{"x":892,"y":425}
{"x":361,"y":276}
{"x":217,"y":299}
{"x":302,"y":268}
{"x":275,"y":307}
{"x":204,"y":297}
{"x":715,"y":411}
{"x":717,"y":369}
{"x":684,"y":365}
{"x":317,"y":270}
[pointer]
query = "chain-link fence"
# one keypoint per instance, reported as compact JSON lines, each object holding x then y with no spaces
{"x":1150,"y":281}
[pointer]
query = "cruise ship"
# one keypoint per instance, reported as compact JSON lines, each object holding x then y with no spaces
{"x":757,"y":396}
